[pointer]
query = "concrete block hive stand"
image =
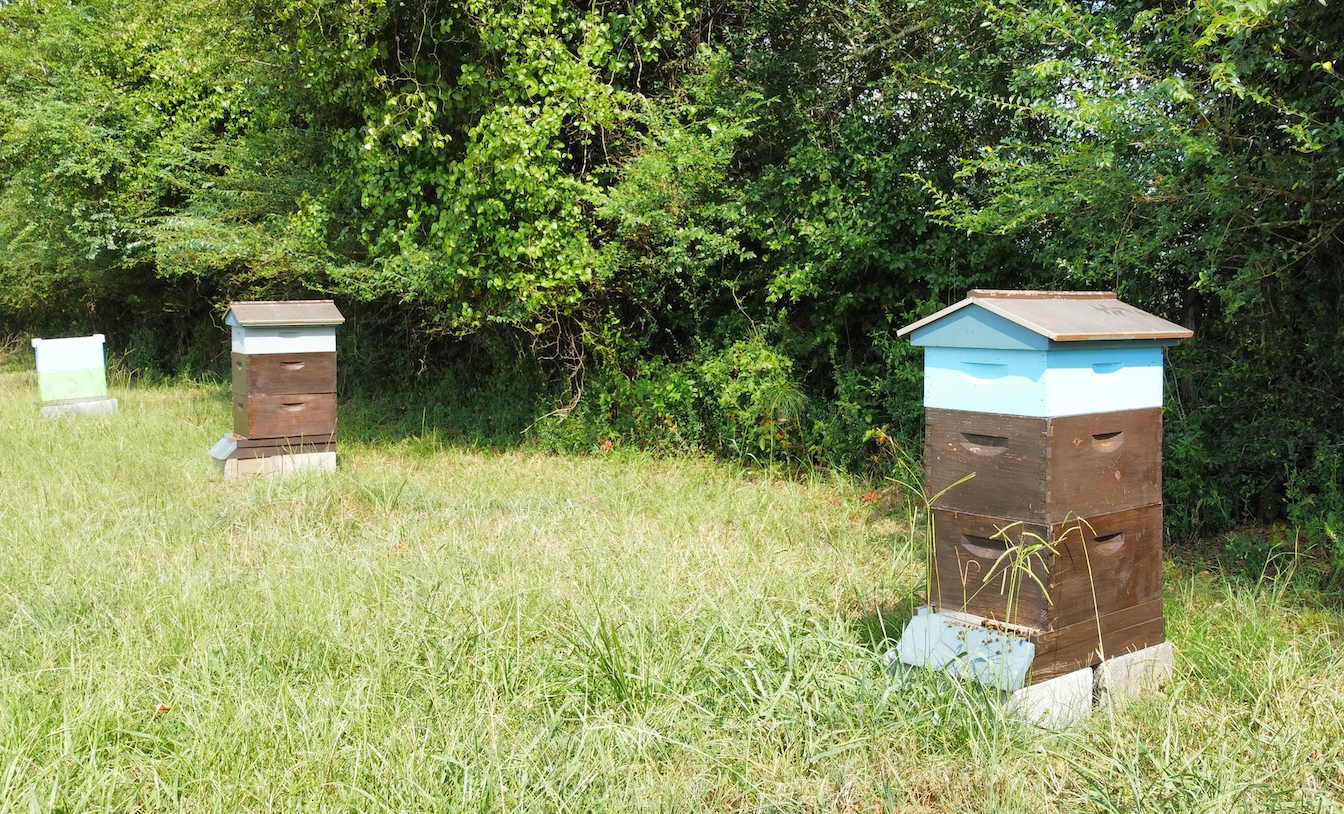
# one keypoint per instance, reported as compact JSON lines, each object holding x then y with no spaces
{"x":284,"y":388}
{"x":1043,"y":455}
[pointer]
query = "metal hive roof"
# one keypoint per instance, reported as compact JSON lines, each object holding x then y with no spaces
{"x":284,"y":312}
{"x":1065,"y":316}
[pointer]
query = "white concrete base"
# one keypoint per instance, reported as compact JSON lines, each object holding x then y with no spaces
{"x":79,"y":407}
{"x":1133,"y":674}
{"x":1057,"y":703}
{"x":324,"y":462}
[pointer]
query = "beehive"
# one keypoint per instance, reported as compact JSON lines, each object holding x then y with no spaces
{"x":284,"y":383}
{"x":71,"y":375}
{"x":1043,"y":456}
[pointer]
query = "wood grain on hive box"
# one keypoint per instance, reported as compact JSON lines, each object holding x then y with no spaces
{"x":266,"y":450}
{"x":282,"y":441}
{"x":299,"y":414}
{"x":1057,"y":574}
{"x":1077,"y":646}
{"x":279,"y":374}
{"x":1043,"y":469}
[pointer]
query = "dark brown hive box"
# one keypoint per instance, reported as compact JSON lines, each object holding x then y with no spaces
{"x":306,"y":415}
{"x":1047,"y":576}
{"x":1043,"y":469}
{"x":1052,"y":577}
{"x":282,"y":374}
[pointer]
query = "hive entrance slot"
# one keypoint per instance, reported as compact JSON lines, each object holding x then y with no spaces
{"x":983,"y":371}
{"x":984,"y":547}
{"x":1108,"y":441}
{"x":1110,"y":543}
{"x":987,"y":445}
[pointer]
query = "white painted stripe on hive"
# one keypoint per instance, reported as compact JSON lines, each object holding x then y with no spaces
{"x":70,"y":353}
{"x":284,"y":340}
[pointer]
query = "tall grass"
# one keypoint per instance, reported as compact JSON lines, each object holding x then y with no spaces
{"x":444,"y":629}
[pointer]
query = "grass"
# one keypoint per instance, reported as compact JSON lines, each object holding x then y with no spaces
{"x":440,"y":628}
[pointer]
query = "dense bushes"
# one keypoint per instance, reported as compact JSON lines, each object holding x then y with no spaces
{"x":698,"y":226}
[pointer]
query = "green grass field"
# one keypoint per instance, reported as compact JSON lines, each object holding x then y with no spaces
{"x":441,"y":628}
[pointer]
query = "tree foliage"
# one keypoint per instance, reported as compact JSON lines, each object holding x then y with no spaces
{"x":704,"y":221}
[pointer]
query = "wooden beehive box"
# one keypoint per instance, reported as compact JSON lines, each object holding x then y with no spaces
{"x":1056,"y":579}
{"x":71,"y":368}
{"x":284,"y":376}
{"x":1043,"y":469}
{"x":1043,"y":459}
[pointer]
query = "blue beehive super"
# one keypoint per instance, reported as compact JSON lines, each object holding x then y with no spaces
{"x":1043,"y":354}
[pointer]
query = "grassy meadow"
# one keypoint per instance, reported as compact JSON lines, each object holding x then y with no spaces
{"x":438,"y":627}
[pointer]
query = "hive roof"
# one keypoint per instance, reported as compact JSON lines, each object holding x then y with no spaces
{"x":284,"y":312}
{"x":1065,"y":316}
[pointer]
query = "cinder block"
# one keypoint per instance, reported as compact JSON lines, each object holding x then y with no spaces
{"x":79,"y":407}
{"x":1057,"y":703}
{"x":1133,"y":674}
{"x":324,"y":462}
